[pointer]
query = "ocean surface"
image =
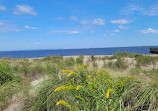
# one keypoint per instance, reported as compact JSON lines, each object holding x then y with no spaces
{"x":71,"y":52}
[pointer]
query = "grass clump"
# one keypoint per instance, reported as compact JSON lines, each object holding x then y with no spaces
{"x":10,"y":83}
{"x":83,"y":90}
{"x":121,"y":63}
{"x":79,"y":59}
{"x":146,"y":60}
{"x":70,"y":61}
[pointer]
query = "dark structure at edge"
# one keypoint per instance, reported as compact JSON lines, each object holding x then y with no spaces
{"x":154,"y":50}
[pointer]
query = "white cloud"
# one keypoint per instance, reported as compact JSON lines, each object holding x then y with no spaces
{"x":2,"y":7}
{"x":24,"y":9}
{"x":99,"y":21}
{"x":1,"y":24}
{"x":120,"y":21}
{"x":112,"y":34}
{"x":63,"y":32}
{"x":116,"y":30}
{"x":122,"y":27}
{"x":28,"y":27}
{"x":151,"y":10}
{"x":72,"y":32}
{"x":149,"y":30}
{"x":84,"y":22}
{"x":131,"y":9}
{"x":73,"y":18}
{"x":59,"y":18}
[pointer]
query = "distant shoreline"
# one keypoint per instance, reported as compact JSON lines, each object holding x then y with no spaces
{"x":74,"y":52}
{"x":73,"y":48}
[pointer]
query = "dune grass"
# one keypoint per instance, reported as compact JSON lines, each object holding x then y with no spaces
{"x":82,"y":83}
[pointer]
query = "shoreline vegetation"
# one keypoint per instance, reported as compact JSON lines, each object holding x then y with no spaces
{"x":119,"y":82}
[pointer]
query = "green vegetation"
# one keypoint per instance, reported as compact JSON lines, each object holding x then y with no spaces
{"x":120,"y":82}
{"x":10,"y":83}
{"x":79,"y":59}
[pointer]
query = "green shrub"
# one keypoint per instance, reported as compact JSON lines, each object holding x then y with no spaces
{"x":146,"y":60}
{"x":79,"y":59}
{"x":105,"y":58}
{"x":5,"y":74}
{"x":54,"y":58}
{"x":70,"y":61}
{"x":120,"y":63}
{"x":93,"y":58}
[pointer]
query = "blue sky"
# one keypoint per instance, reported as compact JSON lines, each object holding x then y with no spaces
{"x":64,"y":24}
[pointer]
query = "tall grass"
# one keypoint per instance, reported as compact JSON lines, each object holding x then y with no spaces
{"x":72,"y":85}
{"x":10,"y":83}
{"x":83,"y":90}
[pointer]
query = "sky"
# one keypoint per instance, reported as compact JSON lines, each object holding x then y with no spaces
{"x":71,"y":24}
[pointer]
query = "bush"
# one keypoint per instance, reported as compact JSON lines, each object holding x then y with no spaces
{"x":120,"y":63}
{"x":79,"y":59}
{"x":93,"y":58}
{"x":5,"y":74}
{"x":105,"y":58}
{"x":70,"y":61}
{"x":54,"y":58}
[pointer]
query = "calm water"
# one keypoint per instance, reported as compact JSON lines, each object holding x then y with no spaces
{"x":69,"y":52}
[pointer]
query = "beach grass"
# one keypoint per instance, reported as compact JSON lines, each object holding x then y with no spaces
{"x":120,"y":82}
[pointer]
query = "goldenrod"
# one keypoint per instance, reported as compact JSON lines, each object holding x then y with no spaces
{"x":89,"y":76}
{"x":63,"y":103}
{"x":58,"y":89}
{"x":78,"y":87}
{"x":70,"y":87}
{"x":70,"y":74}
{"x":66,"y":71}
{"x":108,"y":92}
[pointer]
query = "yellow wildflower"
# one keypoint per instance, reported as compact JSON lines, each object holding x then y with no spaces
{"x":58,"y":89}
{"x":97,"y":72}
{"x":108,"y":92}
{"x":78,"y":87}
{"x":66,"y":88}
{"x":66,"y":71}
{"x":63,"y":103}
{"x":70,"y":74}
{"x":89,"y":76}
